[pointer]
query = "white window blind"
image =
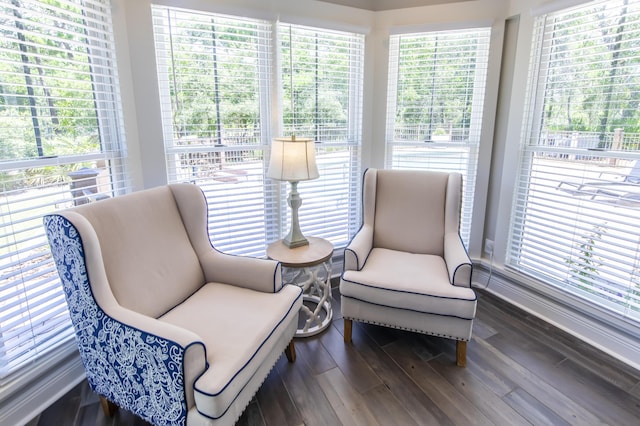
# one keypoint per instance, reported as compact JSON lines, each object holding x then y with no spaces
{"x":435,"y":104}
{"x":214,"y":74}
{"x":577,"y":203}
{"x":60,"y":145}
{"x":217,"y":76}
{"x":327,"y":68}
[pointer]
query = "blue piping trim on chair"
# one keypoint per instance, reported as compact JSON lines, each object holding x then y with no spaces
{"x":275,"y":273}
{"x":356,"y":256}
{"x":229,"y":407}
{"x":412,"y":292}
{"x":257,"y":350}
{"x":407,"y":309}
{"x":361,"y":223}
{"x":152,"y":371}
{"x":462,"y":264}
{"x":458,"y":267}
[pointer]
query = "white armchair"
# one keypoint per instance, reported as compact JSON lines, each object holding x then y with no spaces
{"x":407,"y":266}
{"x":168,"y":327}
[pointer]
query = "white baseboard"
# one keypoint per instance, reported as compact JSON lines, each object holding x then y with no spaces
{"x":617,"y":343}
{"x":26,"y":402}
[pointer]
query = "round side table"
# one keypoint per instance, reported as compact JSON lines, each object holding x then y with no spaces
{"x":310,"y":268}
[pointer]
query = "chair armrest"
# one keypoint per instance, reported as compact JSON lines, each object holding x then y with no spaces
{"x":242,"y":271}
{"x":457,"y":259}
{"x":356,"y":253}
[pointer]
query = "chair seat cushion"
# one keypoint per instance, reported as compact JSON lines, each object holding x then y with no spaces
{"x":417,"y":282}
{"x":248,"y":322}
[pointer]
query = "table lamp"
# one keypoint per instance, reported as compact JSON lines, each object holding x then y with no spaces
{"x":293,"y":160}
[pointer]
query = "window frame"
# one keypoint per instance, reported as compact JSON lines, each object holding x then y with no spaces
{"x":51,"y":177}
{"x":477,"y":128}
{"x":533,"y":146}
{"x":271,"y":99}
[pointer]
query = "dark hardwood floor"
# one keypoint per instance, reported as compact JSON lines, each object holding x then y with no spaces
{"x":520,"y":370}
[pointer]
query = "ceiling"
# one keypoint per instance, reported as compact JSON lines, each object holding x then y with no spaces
{"x":378,"y":5}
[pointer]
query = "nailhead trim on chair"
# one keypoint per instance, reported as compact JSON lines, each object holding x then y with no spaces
{"x":239,"y":412}
{"x":281,"y":350}
{"x":406,"y":309}
{"x":239,"y":394}
{"x":407,"y":329}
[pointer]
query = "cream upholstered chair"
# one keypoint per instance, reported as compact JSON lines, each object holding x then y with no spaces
{"x":168,"y":327}
{"x":407,"y":266}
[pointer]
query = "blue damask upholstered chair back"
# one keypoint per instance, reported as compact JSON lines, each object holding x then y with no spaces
{"x":138,"y":273}
{"x":132,"y":383}
{"x":115,"y":237}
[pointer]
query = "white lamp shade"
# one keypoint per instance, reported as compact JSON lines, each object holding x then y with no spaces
{"x":293,"y":160}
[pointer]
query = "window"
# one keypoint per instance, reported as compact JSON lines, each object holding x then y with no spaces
{"x":60,"y":145}
{"x":224,"y":96}
{"x":435,"y":102}
{"x":327,"y":69}
{"x":577,"y":202}
{"x":214,"y":74}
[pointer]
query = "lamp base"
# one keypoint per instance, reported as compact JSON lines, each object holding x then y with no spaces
{"x":295,"y":243}
{"x":294,"y":238}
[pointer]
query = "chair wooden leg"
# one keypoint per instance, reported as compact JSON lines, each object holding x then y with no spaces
{"x":290,"y":352}
{"x":461,"y":353}
{"x":108,"y":407}
{"x":348,"y":324}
